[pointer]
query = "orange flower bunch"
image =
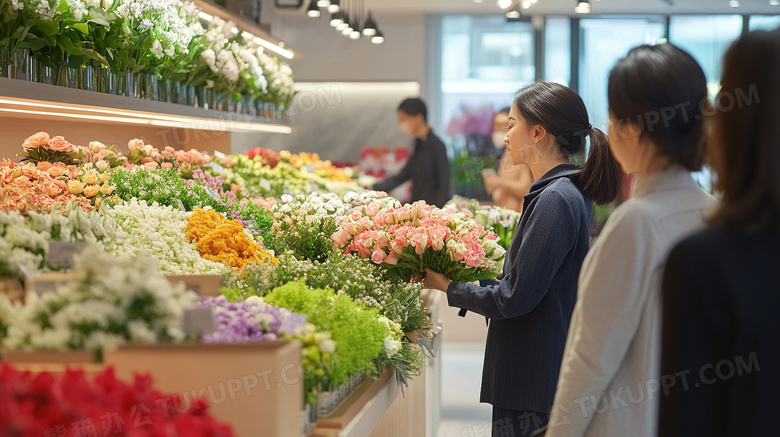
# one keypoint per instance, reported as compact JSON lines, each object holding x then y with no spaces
{"x":223,"y":240}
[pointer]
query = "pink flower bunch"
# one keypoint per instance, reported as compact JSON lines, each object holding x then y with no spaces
{"x":102,"y":156}
{"x":39,"y":187}
{"x":409,"y":238}
{"x":152,"y":158}
{"x":41,"y":147}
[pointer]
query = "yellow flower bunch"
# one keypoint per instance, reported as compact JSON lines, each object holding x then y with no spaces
{"x":222,"y":240}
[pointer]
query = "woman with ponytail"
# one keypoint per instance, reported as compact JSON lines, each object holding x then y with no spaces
{"x":530,"y":308}
{"x":610,"y":382}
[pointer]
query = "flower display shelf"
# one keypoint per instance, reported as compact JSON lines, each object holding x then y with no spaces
{"x":83,"y":116}
{"x":378,"y":408}
{"x":12,"y":288}
{"x":55,"y":362}
{"x":256,"y":388}
{"x":204,"y":285}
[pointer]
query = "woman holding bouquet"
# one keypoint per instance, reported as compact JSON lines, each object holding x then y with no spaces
{"x":531,"y":306}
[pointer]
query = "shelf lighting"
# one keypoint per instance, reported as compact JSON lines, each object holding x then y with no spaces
{"x":139,"y":118}
{"x":734,"y":3}
{"x":504,"y":4}
{"x":267,"y":44}
{"x":334,"y":6}
{"x":514,"y":13}
{"x":774,"y":2}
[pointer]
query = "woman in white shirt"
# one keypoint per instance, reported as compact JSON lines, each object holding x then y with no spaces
{"x":609,"y":383}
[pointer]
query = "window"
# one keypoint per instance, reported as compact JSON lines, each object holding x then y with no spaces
{"x":706,"y":38}
{"x":557,"y":50}
{"x":604,"y":41}
{"x":764,"y":22}
{"x":485,"y":60}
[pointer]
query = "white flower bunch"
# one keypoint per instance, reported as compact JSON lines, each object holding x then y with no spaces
{"x":393,"y":338}
{"x":111,"y":302}
{"x":41,"y":7}
{"x":172,"y":22}
{"x":158,"y":232}
{"x":220,"y":56}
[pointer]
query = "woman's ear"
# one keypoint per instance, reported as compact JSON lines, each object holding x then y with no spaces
{"x":538,"y":133}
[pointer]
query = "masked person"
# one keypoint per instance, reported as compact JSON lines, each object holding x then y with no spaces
{"x":428,"y":168}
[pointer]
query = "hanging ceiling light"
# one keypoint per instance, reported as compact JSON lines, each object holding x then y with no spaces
{"x":583,"y":7}
{"x":370,"y":28}
{"x":378,"y":38}
{"x":323,"y":3}
{"x":313,"y":11}
{"x":336,"y":19}
{"x":504,"y":4}
{"x":348,"y":29}
{"x":774,"y":2}
{"x":514,"y":13}
{"x":335,"y":6}
{"x":344,"y":23}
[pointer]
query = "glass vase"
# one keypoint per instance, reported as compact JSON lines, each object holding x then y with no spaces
{"x":148,"y":86}
{"x":21,"y":64}
{"x":87,"y":78}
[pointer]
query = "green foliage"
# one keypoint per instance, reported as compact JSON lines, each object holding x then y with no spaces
{"x":358,"y":335}
{"x":167,"y":188}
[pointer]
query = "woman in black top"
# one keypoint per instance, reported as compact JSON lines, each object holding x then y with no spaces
{"x":531,"y":306}
{"x":721,"y":290}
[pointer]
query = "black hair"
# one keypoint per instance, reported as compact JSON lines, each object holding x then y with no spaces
{"x":414,"y":106}
{"x":663,"y":91}
{"x":562,"y":113}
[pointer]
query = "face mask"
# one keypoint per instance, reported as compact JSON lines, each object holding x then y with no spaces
{"x":406,"y":128}
{"x":498,"y":140}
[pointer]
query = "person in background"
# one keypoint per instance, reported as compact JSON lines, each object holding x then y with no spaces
{"x":530,"y":307}
{"x":656,"y":95}
{"x":513,"y":181}
{"x":428,"y":168}
{"x":721,"y":289}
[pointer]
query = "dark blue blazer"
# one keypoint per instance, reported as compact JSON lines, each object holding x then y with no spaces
{"x":530,"y":308}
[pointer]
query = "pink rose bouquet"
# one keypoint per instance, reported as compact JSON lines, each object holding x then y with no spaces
{"x":42,"y":148}
{"x":409,"y":238}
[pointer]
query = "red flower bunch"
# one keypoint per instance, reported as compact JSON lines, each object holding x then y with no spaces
{"x":267,"y":157}
{"x":43,"y":405}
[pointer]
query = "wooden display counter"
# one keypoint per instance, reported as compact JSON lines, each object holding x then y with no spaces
{"x":256,"y":388}
{"x":377,"y":408}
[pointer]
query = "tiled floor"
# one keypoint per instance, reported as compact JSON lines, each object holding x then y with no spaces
{"x":461,"y":413}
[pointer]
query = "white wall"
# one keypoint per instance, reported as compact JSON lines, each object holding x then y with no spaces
{"x":326,"y":55}
{"x":370,"y":80}
{"x":338,"y":119}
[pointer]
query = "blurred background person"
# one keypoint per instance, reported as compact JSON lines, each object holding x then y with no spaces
{"x":513,"y":180}
{"x":721,"y":286}
{"x":428,"y":168}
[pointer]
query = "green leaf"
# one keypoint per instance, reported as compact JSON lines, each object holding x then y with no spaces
{"x":48,"y":28}
{"x":82,"y":27}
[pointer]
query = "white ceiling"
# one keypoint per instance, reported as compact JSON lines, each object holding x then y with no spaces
{"x":546,"y":7}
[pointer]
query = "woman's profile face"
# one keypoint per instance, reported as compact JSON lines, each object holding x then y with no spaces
{"x":519,"y":141}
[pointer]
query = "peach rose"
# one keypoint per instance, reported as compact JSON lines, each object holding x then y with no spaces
{"x":107,"y":189}
{"x":91,"y":190}
{"x":53,"y":190}
{"x":75,"y":187}
{"x":151,"y":165}
{"x":44,"y":165}
{"x":56,"y":171}
{"x":58,"y":144}
{"x":96,"y":146}
{"x":166,"y":165}
{"x":90,"y":179}
{"x":146,"y":160}
{"x":135,"y":144}
{"x":129,"y":165}
{"x":102,"y":165}
{"x":104,"y":177}
{"x":39,"y":139}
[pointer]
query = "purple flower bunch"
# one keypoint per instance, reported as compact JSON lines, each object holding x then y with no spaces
{"x":251,"y":320}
